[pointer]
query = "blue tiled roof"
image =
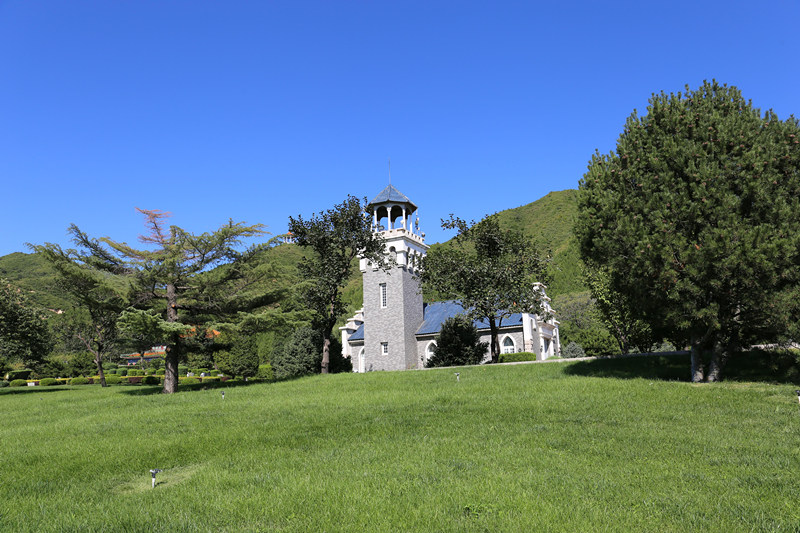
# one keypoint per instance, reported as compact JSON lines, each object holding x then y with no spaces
{"x":358,"y":335}
{"x":437,"y":312}
{"x":391,"y":194}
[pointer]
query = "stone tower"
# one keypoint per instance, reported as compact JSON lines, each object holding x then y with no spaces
{"x":393,"y":300}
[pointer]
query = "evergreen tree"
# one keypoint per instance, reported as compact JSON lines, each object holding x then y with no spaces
{"x":694,"y":219}
{"x":458,"y":343}
{"x":491,"y":272}
{"x":23,"y":331}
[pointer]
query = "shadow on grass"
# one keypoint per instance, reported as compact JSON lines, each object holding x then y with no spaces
{"x":779,"y":366}
{"x":148,"y":390}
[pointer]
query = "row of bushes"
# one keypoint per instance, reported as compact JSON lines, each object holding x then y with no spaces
{"x":516,"y":357}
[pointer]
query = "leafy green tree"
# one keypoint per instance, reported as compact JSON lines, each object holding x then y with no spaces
{"x":24,"y":334}
{"x":188,"y":280}
{"x":337,"y":237}
{"x":491,"y":272}
{"x":99,"y":289}
{"x":694,"y":219}
{"x":458,"y":343}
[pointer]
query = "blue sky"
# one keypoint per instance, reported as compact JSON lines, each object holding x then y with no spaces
{"x":259,"y":110}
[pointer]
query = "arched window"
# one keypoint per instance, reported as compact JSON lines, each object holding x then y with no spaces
{"x":429,"y":350}
{"x":508,"y":345}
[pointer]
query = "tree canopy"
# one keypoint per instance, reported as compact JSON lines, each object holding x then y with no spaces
{"x":493,"y":273}
{"x":694,"y":220}
{"x":24,"y":334}
{"x":337,"y":237}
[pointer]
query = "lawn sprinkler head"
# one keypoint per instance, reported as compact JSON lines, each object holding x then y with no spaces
{"x":153,"y":473}
{"x":223,"y":395}
{"x":458,"y":376}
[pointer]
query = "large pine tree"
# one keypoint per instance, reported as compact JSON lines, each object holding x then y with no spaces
{"x":694,"y":218}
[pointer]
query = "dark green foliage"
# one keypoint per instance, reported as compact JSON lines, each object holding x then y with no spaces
{"x":595,"y":341}
{"x":492,"y":272}
{"x":80,"y":380}
{"x":572,"y":351}
{"x":122,"y":371}
{"x":113,"y":379}
{"x":48,"y":382}
{"x":458,"y":343}
{"x":3,"y":383}
{"x":151,"y":380}
{"x":24,"y":335}
{"x":336,"y":238}
{"x":694,"y":220}
{"x":265,"y":372}
{"x":135,"y":372}
{"x":183,"y":369}
{"x":300,"y":355}
{"x":12,"y":375}
{"x":79,"y":364}
{"x":517,"y":357}
{"x":18,"y":383}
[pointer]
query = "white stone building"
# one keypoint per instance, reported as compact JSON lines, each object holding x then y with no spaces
{"x":395,"y":330}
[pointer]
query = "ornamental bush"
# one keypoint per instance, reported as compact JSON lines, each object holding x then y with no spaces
{"x":48,"y":382}
{"x":573,"y":350}
{"x":19,"y":383}
{"x":122,"y":371}
{"x":458,"y":343}
{"x":80,"y":380}
{"x":113,"y":379}
{"x":517,"y":357}
{"x":188,"y":381}
{"x":265,"y":372}
{"x":150,"y":380}
{"x":18,"y":374}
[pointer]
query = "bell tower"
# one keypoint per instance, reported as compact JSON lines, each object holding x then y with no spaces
{"x":393,"y":300}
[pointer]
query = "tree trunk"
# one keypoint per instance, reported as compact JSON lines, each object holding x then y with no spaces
{"x":697,"y":362}
{"x":100,"y":372}
{"x":173,"y":352}
{"x":326,"y":353}
{"x":718,"y":357}
{"x":495,"y":342}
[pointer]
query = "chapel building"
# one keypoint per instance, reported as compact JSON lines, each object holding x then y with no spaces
{"x":395,"y":329}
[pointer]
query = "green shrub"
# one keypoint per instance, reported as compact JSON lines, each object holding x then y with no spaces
{"x":199,"y":371}
{"x":14,"y":375}
{"x":80,"y":380}
{"x":265,"y":372}
{"x":183,"y":370}
{"x":188,"y":381}
{"x":110,"y":371}
{"x":458,"y":343}
{"x":113,"y":379}
{"x":48,"y":382}
{"x":150,"y":380}
{"x":299,"y":356}
{"x":122,"y":371}
{"x":3,"y":384}
{"x":210,"y":379}
{"x":573,"y":350}
{"x":516,"y":357}
{"x":135,"y":372}
{"x":162,"y":372}
{"x":109,"y":366}
{"x":19,"y":383}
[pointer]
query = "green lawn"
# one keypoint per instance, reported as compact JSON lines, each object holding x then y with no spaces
{"x":553,"y":447}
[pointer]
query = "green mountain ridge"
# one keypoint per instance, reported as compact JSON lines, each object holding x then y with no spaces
{"x":549,"y":221}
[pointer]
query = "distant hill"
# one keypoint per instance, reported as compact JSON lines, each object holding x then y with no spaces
{"x":548,"y":220}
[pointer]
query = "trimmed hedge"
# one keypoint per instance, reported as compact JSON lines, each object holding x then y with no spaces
{"x":14,"y":375}
{"x":80,"y":380}
{"x":113,"y":379}
{"x":48,"y":382}
{"x":19,"y":383}
{"x":122,"y":371}
{"x":517,"y":357}
{"x":150,"y":380}
{"x":188,"y":381}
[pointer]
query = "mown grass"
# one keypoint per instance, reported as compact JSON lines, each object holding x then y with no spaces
{"x":507,"y":448}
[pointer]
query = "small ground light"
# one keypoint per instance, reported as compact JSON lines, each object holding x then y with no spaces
{"x":153,"y":473}
{"x":798,"y":395}
{"x":458,"y":376}
{"x":223,"y":395}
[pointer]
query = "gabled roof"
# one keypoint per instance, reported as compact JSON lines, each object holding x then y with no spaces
{"x":436,"y":313}
{"x":391,"y":194}
{"x":358,"y":335}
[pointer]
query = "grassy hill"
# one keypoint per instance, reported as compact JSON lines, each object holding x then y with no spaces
{"x":548,"y":447}
{"x":36,"y":277}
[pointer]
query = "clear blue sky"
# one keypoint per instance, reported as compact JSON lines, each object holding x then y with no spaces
{"x":260,"y":110}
